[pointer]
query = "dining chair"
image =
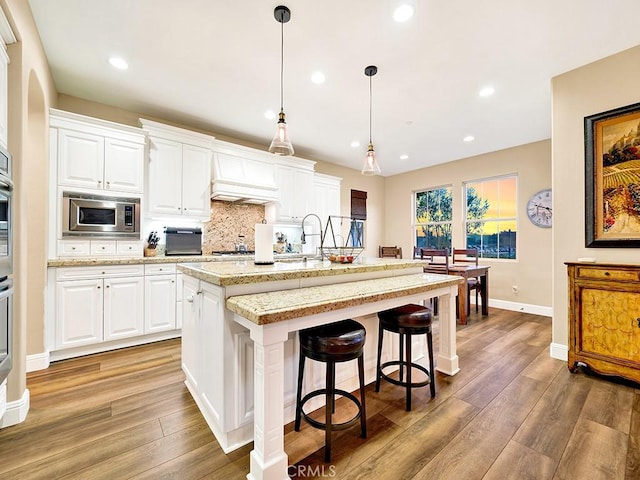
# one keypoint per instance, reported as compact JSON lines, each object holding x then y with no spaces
{"x":389,"y":252}
{"x":468,"y":255}
{"x":438,"y":260}
{"x":438,"y":263}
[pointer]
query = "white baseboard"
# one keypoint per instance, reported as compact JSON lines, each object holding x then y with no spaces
{"x":559,"y":351}
{"x":521,"y":307}
{"x":39,"y":361}
{"x":16,"y":411}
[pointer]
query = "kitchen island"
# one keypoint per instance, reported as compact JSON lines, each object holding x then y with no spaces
{"x":240,"y":344}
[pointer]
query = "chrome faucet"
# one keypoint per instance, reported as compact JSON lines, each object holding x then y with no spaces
{"x":303,"y":237}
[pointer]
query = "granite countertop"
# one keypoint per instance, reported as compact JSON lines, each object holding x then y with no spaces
{"x":271,"y":307}
{"x":92,"y":261}
{"x":246,"y":272}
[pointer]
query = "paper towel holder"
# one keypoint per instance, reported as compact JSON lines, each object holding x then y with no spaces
{"x":261,"y":262}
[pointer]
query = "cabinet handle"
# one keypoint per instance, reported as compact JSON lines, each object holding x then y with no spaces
{"x":606,"y":274}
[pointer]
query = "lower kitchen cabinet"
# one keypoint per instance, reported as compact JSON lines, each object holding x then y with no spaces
{"x":159,"y":297}
{"x":98,"y":309}
{"x":121,"y":304}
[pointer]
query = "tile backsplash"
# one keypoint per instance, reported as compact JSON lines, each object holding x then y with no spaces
{"x":228,"y":220}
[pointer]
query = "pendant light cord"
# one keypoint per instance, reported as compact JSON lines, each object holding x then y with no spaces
{"x":281,"y":62}
{"x":370,"y":108}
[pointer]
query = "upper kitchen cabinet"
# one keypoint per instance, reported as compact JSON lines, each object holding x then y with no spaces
{"x":6,"y":37}
{"x":242,"y":174}
{"x":97,"y":155}
{"x":294,"y":178}
{"x":179,"y":172}
{"x":326,"y":196}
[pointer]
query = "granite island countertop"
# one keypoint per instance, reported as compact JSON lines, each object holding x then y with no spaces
{"x":246,"y":272}
{"x":270,"y":307}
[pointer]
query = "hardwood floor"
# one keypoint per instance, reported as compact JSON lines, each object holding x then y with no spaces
{"x":511,"y":413}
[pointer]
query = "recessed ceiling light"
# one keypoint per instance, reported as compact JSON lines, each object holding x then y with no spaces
{"x":355,"y":144}
{"x":403,"y":12}
{"x":404,"y":157}
{"x":318,"y":78}
{"x":469,"y":138}
{"x":487,"y":91}
{"x":119,"y":63}
{"x":269,"y":115}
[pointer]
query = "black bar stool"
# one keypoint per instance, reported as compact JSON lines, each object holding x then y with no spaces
{"x":406,"y":321}
{"x":336,"y":342}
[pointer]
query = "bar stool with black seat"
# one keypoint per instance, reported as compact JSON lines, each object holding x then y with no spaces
{"x":406,"y":320}
{"x":332,"y":343}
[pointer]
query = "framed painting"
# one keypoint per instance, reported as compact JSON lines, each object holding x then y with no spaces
{"x":612,"y":178}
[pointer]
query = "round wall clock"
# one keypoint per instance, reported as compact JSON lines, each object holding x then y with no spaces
{"x":539,"y":208}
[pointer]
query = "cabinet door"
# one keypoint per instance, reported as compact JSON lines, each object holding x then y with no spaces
{"x":4,"y":60}
{"x":165,"y":177}
{"x":196,"y":181}
{"x":190,"y":330}
{"x":211,"y":345}
{"x":80,"y":159}
{"x":301,"y":200}
{"x":159,"y":303}
{"x":78,"y":312}
{"x":123,"y":307}
{"x":123,"y":167}
{"x":285,"y":193}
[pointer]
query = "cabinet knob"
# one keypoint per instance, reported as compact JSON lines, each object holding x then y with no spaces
{"x":108,"y":183}
{"x":98,"y":287}
{"x":99,"y":182}
{"x":73,"y":248}
{"x":190,"y":299}
{"x":606,"y":274}
{"x":636,"y":321}
{"x":106,"y":286}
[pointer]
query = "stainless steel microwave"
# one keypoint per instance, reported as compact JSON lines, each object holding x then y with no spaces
{"x":100,"y":216}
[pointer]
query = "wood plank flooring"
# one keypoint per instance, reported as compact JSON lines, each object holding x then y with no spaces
{"x":511,"y":413}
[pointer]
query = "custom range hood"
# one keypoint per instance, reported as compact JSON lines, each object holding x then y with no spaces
{"x":242,"y":174}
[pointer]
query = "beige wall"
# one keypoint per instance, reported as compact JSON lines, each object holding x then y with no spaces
{"x":594,"y":88}
{"x":31,"y":92}
{"x":531,"y":272}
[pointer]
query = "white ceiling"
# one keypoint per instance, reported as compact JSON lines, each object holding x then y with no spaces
{"x":216,"y":65}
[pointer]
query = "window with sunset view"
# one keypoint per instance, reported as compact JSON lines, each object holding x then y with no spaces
{"x":432,"y":220}
{"x":491,"y":225}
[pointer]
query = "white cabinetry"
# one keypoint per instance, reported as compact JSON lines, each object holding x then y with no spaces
{"x":179,"y":172}
{"x":294,"y":178}
{"x":326,"y":196}
{"x":241,"y":173}
{"x":95,"y":304}
{"x":203,"y":346}
{"x":159,"y":298}
{"x":6,"y":37}
{"x":97,"y":155}
{"x":99,"y":248}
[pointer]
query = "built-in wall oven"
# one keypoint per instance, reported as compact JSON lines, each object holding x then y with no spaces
{"x":6,"y":264}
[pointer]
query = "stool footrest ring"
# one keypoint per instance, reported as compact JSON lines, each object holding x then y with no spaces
{"x":334,"y":426}
{"x":404,"y":364}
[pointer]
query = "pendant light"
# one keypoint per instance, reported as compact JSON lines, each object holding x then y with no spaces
{"x":371,"y":166}
{"x":281,"y":145}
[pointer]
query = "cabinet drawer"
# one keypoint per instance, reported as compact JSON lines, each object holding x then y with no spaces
{"x":74,"y":248}
{"x":105,"y":247}
{"x":129,"y":248}
{"x":159,"y":268}
{"x":608,"y":274}
{"x":76,"y":273}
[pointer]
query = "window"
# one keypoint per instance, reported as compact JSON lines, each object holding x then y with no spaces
{"x":432,"y":221}
{"x":491,"y":216}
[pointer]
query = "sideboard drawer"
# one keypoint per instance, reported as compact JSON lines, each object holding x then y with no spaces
{"x":608,"y":274}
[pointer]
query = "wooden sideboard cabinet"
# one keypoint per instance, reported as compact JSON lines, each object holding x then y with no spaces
{"x":604,"y":318}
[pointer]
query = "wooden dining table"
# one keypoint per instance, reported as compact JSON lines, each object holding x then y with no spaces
{"x":471,"y":271}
